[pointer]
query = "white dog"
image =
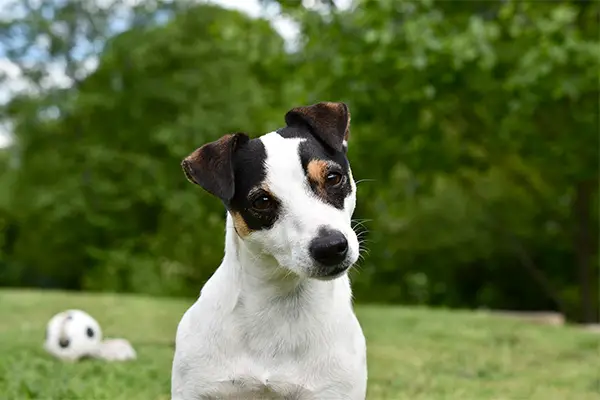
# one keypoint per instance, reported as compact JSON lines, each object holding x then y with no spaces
{"x":275,"y":321}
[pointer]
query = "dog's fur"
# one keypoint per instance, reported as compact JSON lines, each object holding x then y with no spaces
{"x":275,"y":322}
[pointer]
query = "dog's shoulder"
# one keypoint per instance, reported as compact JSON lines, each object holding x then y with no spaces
{"x":205,"y":319}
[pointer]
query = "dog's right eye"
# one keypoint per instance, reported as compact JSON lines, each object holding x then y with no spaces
{"x":262,"y":202}
{"x":333,"y":178}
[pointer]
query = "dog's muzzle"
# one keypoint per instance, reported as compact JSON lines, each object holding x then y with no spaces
{"x":329,"y":250}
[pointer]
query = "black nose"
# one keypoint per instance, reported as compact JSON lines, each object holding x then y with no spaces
{"x":329,"y":248}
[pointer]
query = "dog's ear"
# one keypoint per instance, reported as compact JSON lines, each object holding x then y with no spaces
{"x":330,"y":122}
{"x":211,"y":166}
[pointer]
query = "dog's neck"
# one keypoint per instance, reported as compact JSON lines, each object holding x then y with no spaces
{"x":261,"y":281}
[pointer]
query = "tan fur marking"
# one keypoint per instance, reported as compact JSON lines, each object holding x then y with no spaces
{"x":316,"y":171}
{"x":240,"y":225}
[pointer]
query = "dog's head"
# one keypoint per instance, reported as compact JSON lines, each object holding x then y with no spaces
{"x":290,"y":193}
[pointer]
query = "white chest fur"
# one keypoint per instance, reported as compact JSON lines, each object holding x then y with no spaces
{"x":243,"y":339}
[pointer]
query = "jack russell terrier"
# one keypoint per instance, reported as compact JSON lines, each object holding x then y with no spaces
{"x":275,"y":320}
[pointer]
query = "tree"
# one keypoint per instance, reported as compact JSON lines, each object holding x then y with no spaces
{"x":134,"y":220}
{"x":474,"y":138}
{"x":448,"y":94}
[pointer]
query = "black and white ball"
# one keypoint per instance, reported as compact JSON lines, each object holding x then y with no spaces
{"x":72,"y":334}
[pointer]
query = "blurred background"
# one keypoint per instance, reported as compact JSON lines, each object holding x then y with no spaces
{"x":475,"y":138}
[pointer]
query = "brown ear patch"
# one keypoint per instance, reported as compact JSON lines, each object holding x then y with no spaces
{"x":328,"y":121}
{"x":211,"y":166}
{"x":240,"y":225}
{"x":347,"y":133}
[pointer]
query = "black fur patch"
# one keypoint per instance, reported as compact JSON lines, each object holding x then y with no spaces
{"x":313,"y":149}
{"x":250,"y":173}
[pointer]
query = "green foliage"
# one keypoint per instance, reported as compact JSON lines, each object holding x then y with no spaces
{"x":106,"y":172}
{"x":476,"y":123}
{"x":474,"y":133}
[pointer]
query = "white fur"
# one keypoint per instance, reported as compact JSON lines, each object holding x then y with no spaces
{"x":262,"y":328}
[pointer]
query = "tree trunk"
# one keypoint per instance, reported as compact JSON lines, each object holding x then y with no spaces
{"x":585,"y":249}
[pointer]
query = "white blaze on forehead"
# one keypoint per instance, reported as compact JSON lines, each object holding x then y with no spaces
{"x":283,"y":165}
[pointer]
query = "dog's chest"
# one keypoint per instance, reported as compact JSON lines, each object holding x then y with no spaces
{"x":294,"y":347}
{"x":287,"y":375}
{"x":261,"y":378}
{"x":277,"y":353}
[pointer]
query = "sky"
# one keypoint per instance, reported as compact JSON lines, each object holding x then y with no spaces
{"x":286,"y":28}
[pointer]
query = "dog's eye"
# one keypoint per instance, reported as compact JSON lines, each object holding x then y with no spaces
{"x":262,"y":202}
{"x":333,"y":178}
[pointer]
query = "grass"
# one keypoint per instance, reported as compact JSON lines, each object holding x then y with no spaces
{"x":414,"y":354}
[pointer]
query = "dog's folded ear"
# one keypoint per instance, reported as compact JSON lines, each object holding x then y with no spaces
{"x":328,"y":121}
{"x":211,"y":166}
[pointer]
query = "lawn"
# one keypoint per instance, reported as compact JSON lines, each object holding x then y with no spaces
{"x":414,"y":353}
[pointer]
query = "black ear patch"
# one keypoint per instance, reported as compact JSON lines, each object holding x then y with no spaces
{"x":211,"y":166}
{"x":90,"y":332}
{"x":330,"y":122}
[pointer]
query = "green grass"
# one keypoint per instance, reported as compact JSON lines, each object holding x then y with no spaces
{"x":414,"y":354}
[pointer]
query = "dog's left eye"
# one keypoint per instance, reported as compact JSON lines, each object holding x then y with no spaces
{"x":262,"y":203}
{"x":333,"y":178}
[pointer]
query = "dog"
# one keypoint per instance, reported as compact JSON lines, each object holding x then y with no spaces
{"x":275,"y":320}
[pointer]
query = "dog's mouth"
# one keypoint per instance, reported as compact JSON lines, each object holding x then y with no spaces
{"x":331,"y":273}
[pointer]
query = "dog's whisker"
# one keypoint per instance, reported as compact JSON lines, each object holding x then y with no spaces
{"x":357,"y":224}
{"x":364,"y":180}
{"x":361,"y":221}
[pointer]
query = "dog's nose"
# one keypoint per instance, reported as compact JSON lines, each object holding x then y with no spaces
{"x":329,"y":248}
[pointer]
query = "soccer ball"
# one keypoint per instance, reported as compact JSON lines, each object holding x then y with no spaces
{"x":72,"y":335}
